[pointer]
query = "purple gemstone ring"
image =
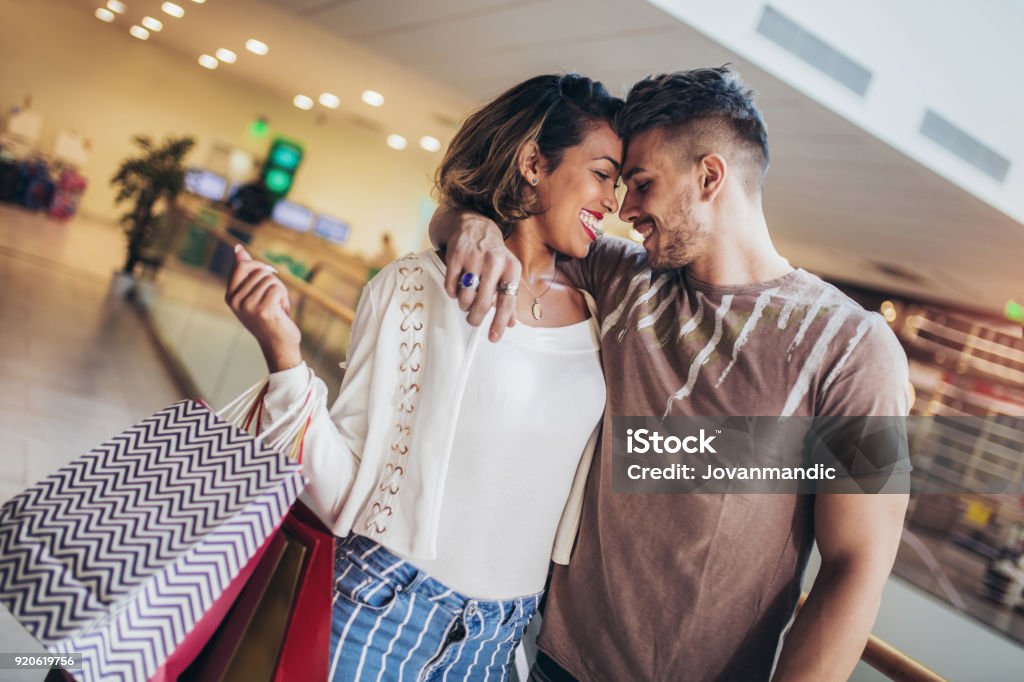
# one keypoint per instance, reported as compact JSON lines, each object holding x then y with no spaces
{"x":469,"y":280}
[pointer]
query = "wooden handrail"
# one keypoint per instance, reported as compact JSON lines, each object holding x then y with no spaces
{"x":343,"y":274}
{"x":308,"y":291}
{"x":890,"y":661}
{"x":896,"y":665}
{"x":319,"y":297}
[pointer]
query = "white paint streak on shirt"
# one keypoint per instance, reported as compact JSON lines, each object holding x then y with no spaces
{"x":643,"y":299}
{"x":614,"y":316}
{"x":862,"y":329}
{"x":809,"y":316}
{"x":814,"y":360}
{"x":703,"y":355}
{"x":748,"y":327}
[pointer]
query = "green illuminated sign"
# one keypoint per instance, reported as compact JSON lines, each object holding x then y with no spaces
{"x":283,"y":160}
{"x":286,"y":156}
{"x":258,"y":128}
{"x":1014,"y":311}
{"x":277,"y":181}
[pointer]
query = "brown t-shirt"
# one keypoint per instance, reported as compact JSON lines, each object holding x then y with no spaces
{"x":700,"y":586}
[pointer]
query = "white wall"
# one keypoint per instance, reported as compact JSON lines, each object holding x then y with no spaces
{"x":961,"y":59}
{"x":109,"y":86}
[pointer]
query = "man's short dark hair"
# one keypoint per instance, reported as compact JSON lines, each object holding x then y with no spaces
{"x":697,"y":108}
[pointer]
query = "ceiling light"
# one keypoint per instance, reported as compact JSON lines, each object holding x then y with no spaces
{"x":139,"y":32}
{"x":116,"y":6}
{"x":888,"y":311}
{"x":329,"y":100}
{"x":373,"y":98}
{"x":199,"y":2}
{"x":174,"y":10}
{"x":208,"y":61}
{"x":152,"y":24}
{"x":303,"y":102}
{"x":226,"y":56}
{"x":256,"y":46}
{"x":431,"y":144}
{"x":396,"y":142}
{"x":104,"y":14}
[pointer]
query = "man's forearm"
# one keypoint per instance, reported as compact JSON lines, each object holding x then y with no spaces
{"x":832,"y":628}
{"x":443,"y":224}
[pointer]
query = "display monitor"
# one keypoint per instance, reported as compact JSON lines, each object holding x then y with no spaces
{"x":206,"y":184}
{"x":331,"y":229}
{"x":293,"y":216}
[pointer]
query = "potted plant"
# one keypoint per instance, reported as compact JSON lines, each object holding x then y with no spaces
{"x":158,"y":174}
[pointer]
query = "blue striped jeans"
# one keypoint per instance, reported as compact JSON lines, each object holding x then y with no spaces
{"x":393,"y":622}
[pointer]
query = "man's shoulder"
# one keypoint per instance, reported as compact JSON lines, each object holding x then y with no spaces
{"x":846,"y":322}
{"x":810,"y":290}
{"x":616,"y":247}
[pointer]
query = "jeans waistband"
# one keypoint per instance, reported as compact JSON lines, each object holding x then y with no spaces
{"x":375,"y":559}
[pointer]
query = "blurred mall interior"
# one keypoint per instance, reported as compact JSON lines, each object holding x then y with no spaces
{"x":897,"y":174}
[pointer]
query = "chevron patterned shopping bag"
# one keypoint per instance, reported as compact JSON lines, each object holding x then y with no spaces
{"x":120,"y":553}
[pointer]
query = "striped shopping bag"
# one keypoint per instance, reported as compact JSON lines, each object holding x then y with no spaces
{"x":119,"y":554}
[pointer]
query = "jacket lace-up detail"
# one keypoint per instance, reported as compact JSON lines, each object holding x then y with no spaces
{"x":411,"y":326}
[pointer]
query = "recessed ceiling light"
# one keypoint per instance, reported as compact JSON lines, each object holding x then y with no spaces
{"x":152,"y":24}
{"x":431,"y":144}
{"x":330,"y":100}
{"x":208,"y":61}
{"x":396,"y":142}
{"x":104,"y":14}
{"x":174,"y":10}
{"x":116,"y":6}
{"x":139,"y":32}
{"x":373,"y":98}
{"x":256,"y":46}
{"x":226,"y":56}
{"x":199,"y":2}
{"x":303,"y":102}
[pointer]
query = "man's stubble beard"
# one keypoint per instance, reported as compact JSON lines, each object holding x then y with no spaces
{"x":683,"y":242}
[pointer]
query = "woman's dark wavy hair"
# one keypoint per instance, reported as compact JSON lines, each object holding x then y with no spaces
{"x":480,"y":169}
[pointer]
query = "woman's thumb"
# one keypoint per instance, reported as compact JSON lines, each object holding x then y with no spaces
{"x":241,"y":254}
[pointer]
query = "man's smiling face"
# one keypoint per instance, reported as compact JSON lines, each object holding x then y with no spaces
{"x":659,"y":201}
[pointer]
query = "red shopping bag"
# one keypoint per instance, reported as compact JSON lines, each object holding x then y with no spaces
{"x":200,"y":635}
{"x":279,"y":627}
{"x":307,"y":643}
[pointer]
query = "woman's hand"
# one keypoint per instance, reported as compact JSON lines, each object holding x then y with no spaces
{"x":260,"y":302}
{"x":474,"y":243}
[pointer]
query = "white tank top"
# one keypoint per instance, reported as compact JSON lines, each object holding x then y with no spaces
{"x":532,"y":401}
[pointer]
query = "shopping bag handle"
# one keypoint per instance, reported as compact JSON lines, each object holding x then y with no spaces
{"x":286,"y":434}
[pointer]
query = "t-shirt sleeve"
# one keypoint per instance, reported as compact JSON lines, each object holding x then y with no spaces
{"x":861,"y":420}
{"x":608,"y":257}
{"x":872,"y":379}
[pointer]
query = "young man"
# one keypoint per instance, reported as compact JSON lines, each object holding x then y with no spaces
{"x":708,"y":319}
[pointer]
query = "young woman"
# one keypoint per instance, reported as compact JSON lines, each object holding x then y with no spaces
{"x":452,"y":467}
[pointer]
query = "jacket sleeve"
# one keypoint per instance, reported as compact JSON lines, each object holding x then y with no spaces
{"x":335,"y":438}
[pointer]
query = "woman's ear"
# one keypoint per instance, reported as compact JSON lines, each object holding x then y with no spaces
{"x":530,"y":163}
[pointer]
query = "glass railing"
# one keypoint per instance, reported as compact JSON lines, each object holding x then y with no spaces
{"x":213,"y":355}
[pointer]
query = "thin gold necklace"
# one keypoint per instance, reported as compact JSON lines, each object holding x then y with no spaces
{"x":535,"y":309}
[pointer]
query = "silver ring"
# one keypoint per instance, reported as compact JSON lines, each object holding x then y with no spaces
{"x":469,"y":280}
{"x":508,"y":288}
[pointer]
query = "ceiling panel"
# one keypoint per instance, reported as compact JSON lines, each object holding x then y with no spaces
{"x":837,"y":198}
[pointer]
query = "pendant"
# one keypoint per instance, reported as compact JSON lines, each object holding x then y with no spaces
{"x":535,"y":310}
